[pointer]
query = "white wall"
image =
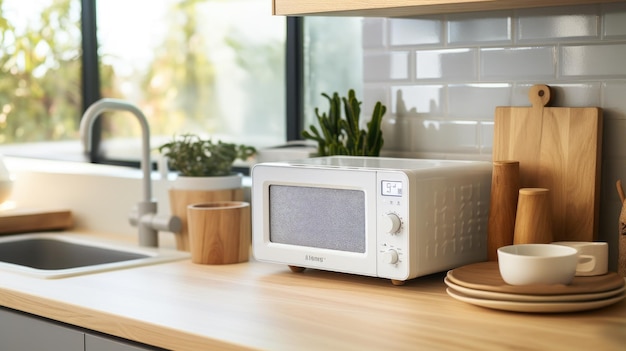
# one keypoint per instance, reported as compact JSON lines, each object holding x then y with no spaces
{"x":100,"y":197}
{"x":442,"y":76}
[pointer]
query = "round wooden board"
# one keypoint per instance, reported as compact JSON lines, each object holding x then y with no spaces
{"x":486,"y":276}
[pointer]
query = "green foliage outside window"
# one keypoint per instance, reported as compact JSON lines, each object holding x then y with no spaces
{"x":40,"y":86}
{"x":176,"y":87}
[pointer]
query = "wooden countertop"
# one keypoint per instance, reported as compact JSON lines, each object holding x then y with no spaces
{"x":184,"y":306}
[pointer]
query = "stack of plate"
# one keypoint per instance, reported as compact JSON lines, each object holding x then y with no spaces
{"x":481,"y":284}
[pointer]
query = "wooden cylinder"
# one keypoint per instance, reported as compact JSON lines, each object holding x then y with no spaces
{"x":505,"y":185}
{"x":219,"y":232}
{"x":533,"y":220}
{"x":180,"y":199}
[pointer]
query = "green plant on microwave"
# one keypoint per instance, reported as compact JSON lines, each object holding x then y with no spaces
{"x":344,"y":136}
{"x":192,"y":156}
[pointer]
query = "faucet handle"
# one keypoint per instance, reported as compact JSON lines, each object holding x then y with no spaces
{"x":163,"y":222}
{"x":158,"y":222}
{"x":145,"y":218}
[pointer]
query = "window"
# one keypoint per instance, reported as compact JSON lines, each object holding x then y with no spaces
{"x":211,"y":67}
{"x":332,"y":61}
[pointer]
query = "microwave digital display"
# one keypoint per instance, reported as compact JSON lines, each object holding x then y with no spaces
{"x":391,"y":188}
{"x":326,"y":218}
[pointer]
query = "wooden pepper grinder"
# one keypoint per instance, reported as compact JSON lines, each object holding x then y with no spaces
{"x":502,"y":207}
{"x":621,"y":264}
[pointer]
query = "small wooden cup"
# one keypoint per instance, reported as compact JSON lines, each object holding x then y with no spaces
{"x":219,"y":232}
{"x":180,"y":199}
{"x":533,"y":220}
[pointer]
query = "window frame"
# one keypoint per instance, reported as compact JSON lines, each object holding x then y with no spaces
{"x":90,"y":70}
{"x":91,"y":81}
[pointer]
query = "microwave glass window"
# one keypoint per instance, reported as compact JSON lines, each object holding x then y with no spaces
{"x":317,"y":217}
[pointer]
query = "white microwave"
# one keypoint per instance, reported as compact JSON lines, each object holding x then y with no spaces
{"x":383,"y":217}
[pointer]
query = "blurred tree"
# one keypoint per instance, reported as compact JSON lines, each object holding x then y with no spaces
{"x":176,"y":87}
{"x":262,"y":62}
{"x":40,"y":83}
{"x":179,"y":85}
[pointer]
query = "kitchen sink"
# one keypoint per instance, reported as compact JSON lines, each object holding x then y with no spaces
{"x":54,"y":255}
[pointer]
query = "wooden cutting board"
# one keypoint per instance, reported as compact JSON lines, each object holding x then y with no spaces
{"x":558,"y":148}
{"x":23,"y":220}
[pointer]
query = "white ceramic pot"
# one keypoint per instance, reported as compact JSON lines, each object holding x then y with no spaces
{"x":232,"y":181}
{"x":187,"y":191}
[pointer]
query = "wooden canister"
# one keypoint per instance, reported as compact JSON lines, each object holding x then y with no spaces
{"x":180,"y":199}
{"x":505,"y":185}
{"x":219,"y":232}
{"x":533,"y":219}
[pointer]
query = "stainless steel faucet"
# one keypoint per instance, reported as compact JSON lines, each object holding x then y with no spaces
{"x":145,"y":215}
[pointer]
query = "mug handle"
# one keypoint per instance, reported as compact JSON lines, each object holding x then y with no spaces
{"x":586,"y":263}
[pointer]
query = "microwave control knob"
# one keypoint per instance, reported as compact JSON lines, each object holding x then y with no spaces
{"x":390,"y":256}
{"x":392,"y":223}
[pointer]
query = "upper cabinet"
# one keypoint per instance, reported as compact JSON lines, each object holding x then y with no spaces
{"x":407,"y":8}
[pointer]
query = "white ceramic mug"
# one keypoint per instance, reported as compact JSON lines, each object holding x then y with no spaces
{"x":594,"y":257}
{"x":527,"y":264}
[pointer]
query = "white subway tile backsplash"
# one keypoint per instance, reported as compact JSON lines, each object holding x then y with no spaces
{"x":374,"y":33}
{"x":432,"y":135}
{"x":448,"y":64}
{"x":417,"y":99}
{"x":373,"y":94}
{"x":397,"y":132}
{"x":606,"y":60}
{"x":614,"y":20}
{"x":485,"y":130}
{"x":473,"y":29}
{"x":614,"y":100}
{"x":421,"y":31}
{"x":583,"y":94}
{"x":386,"y":66}
{"x":559,"y":23}
{"x":612,"y":171}
{"x":444,"y":76}
{"x":615,"y":148}
{"x":519,"y":93}
{"x":477,"y":101}
{"x":513,"y":63}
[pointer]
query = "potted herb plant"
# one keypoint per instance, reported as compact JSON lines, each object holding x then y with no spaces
{"x":344,"y":136}
{"x":205,"y":174}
